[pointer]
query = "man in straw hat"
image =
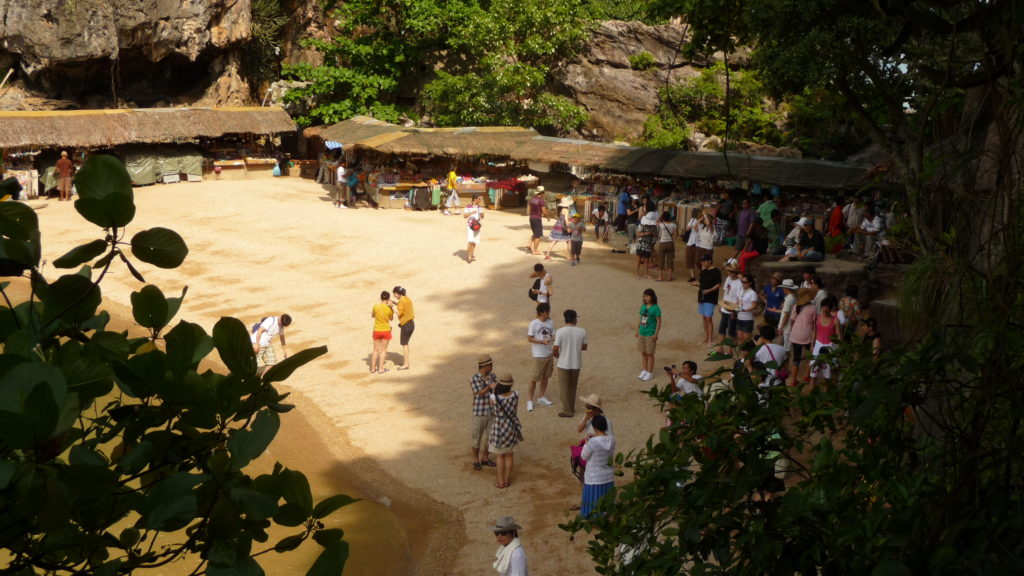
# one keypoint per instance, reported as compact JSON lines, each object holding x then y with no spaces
{"x":537,"y":208}
{"x":482,"y":384}
{"x":732,"y":289}
{"x":786,"y":316}
{"x":511,"y":558}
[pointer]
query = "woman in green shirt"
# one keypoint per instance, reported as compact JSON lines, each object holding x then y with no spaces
{"x":647,"y":333}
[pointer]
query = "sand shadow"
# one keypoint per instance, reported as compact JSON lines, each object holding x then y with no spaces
{"x":461,"y":254}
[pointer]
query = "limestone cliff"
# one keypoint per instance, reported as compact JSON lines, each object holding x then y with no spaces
{"x":97,"y":53}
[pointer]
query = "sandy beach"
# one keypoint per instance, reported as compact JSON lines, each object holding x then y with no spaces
{"x":400,"y":440}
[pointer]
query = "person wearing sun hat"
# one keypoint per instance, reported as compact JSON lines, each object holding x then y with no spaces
{"x":785,"y":325}
{"x":511,"y":558}
{"x":802,"y":335}
{"x":732,"y":289}
{"x":560,"y":231}
{"x":506,"y":430}
{"x":537,"y":209}
{"x":599,"y":476}
{"x":482,"y":384}
{"x":591,"y":407}
{"x":576,"y":228}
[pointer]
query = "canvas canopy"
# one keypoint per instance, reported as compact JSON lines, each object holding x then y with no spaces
{"x":370,"y":133}
{"x":146,"y":164}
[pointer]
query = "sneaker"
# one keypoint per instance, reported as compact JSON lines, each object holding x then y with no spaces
{"x":342,"y":206}
{"x":642,"y":374}
{"x":647,"y":376}
{"x":543,"y":401}
{"x":529,"y":406}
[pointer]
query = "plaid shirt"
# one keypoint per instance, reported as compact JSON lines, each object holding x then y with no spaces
{"x":506,"y":422}
{"x":481,"y":404}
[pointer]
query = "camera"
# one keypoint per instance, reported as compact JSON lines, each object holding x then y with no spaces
{"x":670,"y":369}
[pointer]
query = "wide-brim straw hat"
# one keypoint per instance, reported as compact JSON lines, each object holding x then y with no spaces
{"x":591,"y":400}
{"x":565,"y":202}
{"x":803,"y":296}
{"x":506,"y":378}
{"x":484,"y":360}
{"x":788,"y":284}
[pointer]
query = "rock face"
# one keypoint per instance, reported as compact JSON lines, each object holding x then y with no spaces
{"x":139,"y":52}
{"x":618,"y":97}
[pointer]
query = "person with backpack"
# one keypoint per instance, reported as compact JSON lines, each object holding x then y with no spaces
{"x":262,"y":338}
{"x":541,"y":290}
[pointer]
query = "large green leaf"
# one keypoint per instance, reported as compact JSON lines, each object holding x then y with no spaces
{"x":255,"y":505}
{"x":149,"y":307}
{"x":174,"y":304}
{"x":234,"y":345}
{"x":283,"y":369}
{"x":246,"y":445}
{"x":172,"y":503}
{"x":73,"y":298}
{"x":328,"y":505}
{"x":297,"y":491}
{"x":160,"y":247}
{"x":19,"y":228}
{"x":81,"y":254}
{"x":105,"y":192}
{"x":331,"y":561}
{"x":187,"y":344}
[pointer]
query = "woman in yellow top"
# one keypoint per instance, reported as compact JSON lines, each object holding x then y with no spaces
{"x":382,"y":314}
{"x":406,"y":323}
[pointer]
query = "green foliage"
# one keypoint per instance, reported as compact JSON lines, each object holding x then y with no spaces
{"x":263,"y":52}
{"x":118,"y":453}
{"x":506,"y":51}
{"x":822,"y":127}
{"x":378,"y":45}
{"x":642,"y":61}
{"x":878,"y":478}
{"x":702,"y":101}
{"x":626,"y":11}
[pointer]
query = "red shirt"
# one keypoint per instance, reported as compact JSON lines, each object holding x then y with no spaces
{"x":537,"y":204}
{"x":64,"y":168}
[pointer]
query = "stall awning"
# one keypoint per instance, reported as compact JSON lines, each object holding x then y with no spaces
{"x":369,"y":133}
{"x":94,"y":128}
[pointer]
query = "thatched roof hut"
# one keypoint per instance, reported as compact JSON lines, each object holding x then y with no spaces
{"x":100,"y":128}
{"x":365,"y":132}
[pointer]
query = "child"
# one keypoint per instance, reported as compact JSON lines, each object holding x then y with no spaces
{"x":576,"y":228}
{"x":599,"y":218}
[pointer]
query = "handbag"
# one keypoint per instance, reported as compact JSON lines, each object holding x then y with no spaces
{"x":780,"y":372}
{"x":576,"y":462}
{"x":474,"y":224}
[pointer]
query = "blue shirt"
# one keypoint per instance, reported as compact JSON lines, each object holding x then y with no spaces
{"x":773,"y":298}
{"x":623,"y":202}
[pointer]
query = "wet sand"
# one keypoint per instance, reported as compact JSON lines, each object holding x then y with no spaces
{"x":400,"y":440}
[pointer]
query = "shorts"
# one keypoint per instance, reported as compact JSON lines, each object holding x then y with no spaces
{"x":745,"y":326}
{"x":798,"y":353}
{"x":665,"y":255}
{"x":64,"y":184}
{"x":727,"y":325}
{"x":480,"y":429}
{"x":706,"y":309}
{"x":536,"y":227}
{"x":382,"y":335}
{"x":820,"y":369}
{"x":266,"y":356}
{"x":405,"y":332}
{"x":646,"y":344}
{"x":472,"y":236}
{"x":576,"y":247}
{"x":542,"y":369}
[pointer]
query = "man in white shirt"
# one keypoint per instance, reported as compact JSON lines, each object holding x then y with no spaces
{"x":540,"y":335}
{"x":868,"y":233}
{"x":342,"y":199}
{"x":263,"y":340}
{"x":853,"y":212}
{"x":732,"y":289}
{"x":570,"y":342}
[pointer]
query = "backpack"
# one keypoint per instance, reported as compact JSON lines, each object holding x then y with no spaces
{"x":256,"y":327}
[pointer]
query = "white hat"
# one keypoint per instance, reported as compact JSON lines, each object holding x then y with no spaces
{"x":565,"y":202}
{"x":806,"y":222}
{"x":788,"y":284}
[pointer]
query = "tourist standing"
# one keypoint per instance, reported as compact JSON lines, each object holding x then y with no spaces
{"x":482,"y":384}
{"x":65,"y":171}
{"x":827,"y":330}
{"x":692,"y":258}
{"x":544,"y":288}
{"x":772,"y":296}
{"x":599,"y":477}
{"x":406,"y":323}
{"x":646,"y":236}
{"x":541,"y":335}
{"x":744,"y":219}
{"x":710,"y":282}
{"x":341,"y":182}
{"x":785,"y":325}
{"x":537,"y":209}
{"x":665,"y":249}
{"x":511,"y":558}
{"x":576,"y":227}
{"x":263,"y":340}
{"x":382,"y":314}
{"x":732,"y":290}
{"x":560,"y":231}
{"x":724,"y":217}
{"x":506,"y":430}
{"x":474,"y":215}
{"x":570,"y":343}
{"x":646,"y":333}
{"x":765,"y":210}
{"x":802,"y":333}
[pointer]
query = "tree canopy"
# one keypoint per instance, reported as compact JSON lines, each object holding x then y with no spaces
{"x":121,"y":451}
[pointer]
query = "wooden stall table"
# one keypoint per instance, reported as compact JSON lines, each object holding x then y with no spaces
{"x":260,"y":167}
{"x":229,"y":169}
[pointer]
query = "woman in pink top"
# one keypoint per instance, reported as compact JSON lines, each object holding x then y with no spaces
{"x":826,"y":329}
{"x":802,"y":334}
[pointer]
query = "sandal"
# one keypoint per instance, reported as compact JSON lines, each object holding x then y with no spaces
{"x":499,"y":485}
{"x":476,"y":465}
{"x":490,"y":463}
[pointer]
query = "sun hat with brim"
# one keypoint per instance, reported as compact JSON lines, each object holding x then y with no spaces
{"x":537,"y":190}
{"x":506,"y":524}
{"x":649,"y":219}
{"x":803,"y":296}
{"x":788,"y":284}
{"x":484,"y":360}
{"x":591,"y":400}
{"x":565,"y":202}
{"x":806,"y":222}
{"x":506,"y":378}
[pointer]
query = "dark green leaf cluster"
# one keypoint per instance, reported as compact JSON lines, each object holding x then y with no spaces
{"x":742,"y":113}
{"x":119,"y":452}
{"x":908,"y":464}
